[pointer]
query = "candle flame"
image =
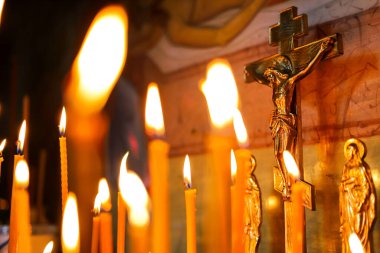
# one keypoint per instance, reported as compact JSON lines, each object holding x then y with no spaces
{"x":62,"y":123}
{"x":21,"y":137}
{"x":187,"y":172}
{"x":139,"y":216}
{"x":240,"y":129}
{"x":104,"y":194}
{"x":153,"y":112}
{"x":355,"y":244}
{"x":22,"y":174}
{"x":101,"y":58}
{"x":2,"y":145}
{"x":70,"y":224}
{"x":132,"y":189}
{"x":49,"y":247}
{"x":291,"y":164}
{"x":1,"y":8}
{"x":220,"y":91}
{"x":97,"y":204}
{"x":233,"y":167}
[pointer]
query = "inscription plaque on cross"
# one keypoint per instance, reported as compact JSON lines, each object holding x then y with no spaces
{"x":281,"y":72}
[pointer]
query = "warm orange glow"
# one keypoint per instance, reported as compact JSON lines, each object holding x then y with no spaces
{"x":70,"y":225}
{"x":220,"y":91}
{"x":1,"y":8}
{"x":272,"y":202}
{"x":62,"y":123}
{"x":139,"y":216}
{"x":104,"y":194}
{"x":240,"y":129}
{"x":2,"y":145}
{"x":22,"y":174}
{"x":101,"y":58}
{"x":21,"y":137}
{"x":154,"y":120}
{"x":133,"y":191}
{"x":97,"y":204}
{"x":291,"y":164}
{"x":187,"y":172}
{"x":49,"y":247}
{"x":233,"y":167}
{"x":355,"y":244}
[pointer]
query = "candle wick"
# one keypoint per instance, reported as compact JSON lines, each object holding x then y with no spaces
{"x":187,"y":185}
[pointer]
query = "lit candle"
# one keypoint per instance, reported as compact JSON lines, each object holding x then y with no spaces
{"x":158,"y":166}
{"x":24,"y":228}
{"x":136,"y":198}
{"x":221,"y":94}
{"x":2,"y":146}
{"x":355,"y":244}
{"x":49,"y":247}
{"x":105,"y":217}
{"x":63,"y":153}
{"x":190,"y":197}
{"x":297,"y":236}
{"x":121,"y":206}
{"x":13,"y":220}
{"x":70,"y":226}
{"x":243,"y":163}
{"x":95,"y":226}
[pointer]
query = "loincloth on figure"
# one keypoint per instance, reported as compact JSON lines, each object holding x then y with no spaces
{"x":284,"y":124}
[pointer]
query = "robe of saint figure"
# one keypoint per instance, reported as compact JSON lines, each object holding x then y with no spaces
{"x":356,"y":197}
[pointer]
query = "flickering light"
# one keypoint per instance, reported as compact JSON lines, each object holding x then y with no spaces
{"x":49,"y":247}
{"x":62,"y":123}
{"x":2,"y":145}
{"x":291,"y":164}
{"x":133,"y":191}
{"x":70,"y":225}
{"x":272,"y":202}
{"x":355,"y":244}
{"x":139,"y":216}
{"x":154,"y":120}
{"x":97,"y":204}
{"x":101,"y":58}
{"x":233,"y":167}
{"x":240,"y":129}
{"x":187,"y":172}
{"x":104,"y":194}
{"x":220,"y":91}
{"x":1,"y":8}
{"x":21,"y":137}
{"x":22,"y":174}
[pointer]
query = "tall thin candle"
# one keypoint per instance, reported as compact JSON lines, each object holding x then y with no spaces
{"x":190,"y":198}
{"x":2,"y":146}
{"x":63,"y":154}
{"x":105,"y":217}
{"x":95,"y":226}
{"x":158,"y":166}
{"x":121,"y":206}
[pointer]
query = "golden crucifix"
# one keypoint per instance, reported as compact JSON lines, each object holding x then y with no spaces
{"x":281,"y":72}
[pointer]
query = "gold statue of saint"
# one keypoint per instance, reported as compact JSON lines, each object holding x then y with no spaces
{"x":356,"y":196}
{"x":252,"y":210}
{"x":281,"y":78}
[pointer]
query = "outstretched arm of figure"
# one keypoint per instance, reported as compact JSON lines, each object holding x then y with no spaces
{"x":326,"y":45}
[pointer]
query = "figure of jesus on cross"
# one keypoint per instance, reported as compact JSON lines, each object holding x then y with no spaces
{"x":281,"y":72}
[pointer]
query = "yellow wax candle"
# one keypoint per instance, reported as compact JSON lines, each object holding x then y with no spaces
{"x":138,"y":230}
{"x":2,"y":146}
{"x":105,"y":217}
{"x":95,"y":226}
{"x":296,"y":218}
{"x":121,"y":214}
{"x":158,"y":167}
{"x":121,"y":205}
{"x":135,"y":197}
{"x":24,"y":228}
{"x":190,"y":199}
{"x":63,"y":155}
{"x":221,"y":94}
{"x":70,"y":226}
{"x":12,"y":246}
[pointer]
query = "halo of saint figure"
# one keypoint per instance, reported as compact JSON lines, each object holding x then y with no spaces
{"x":356,"y":197}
